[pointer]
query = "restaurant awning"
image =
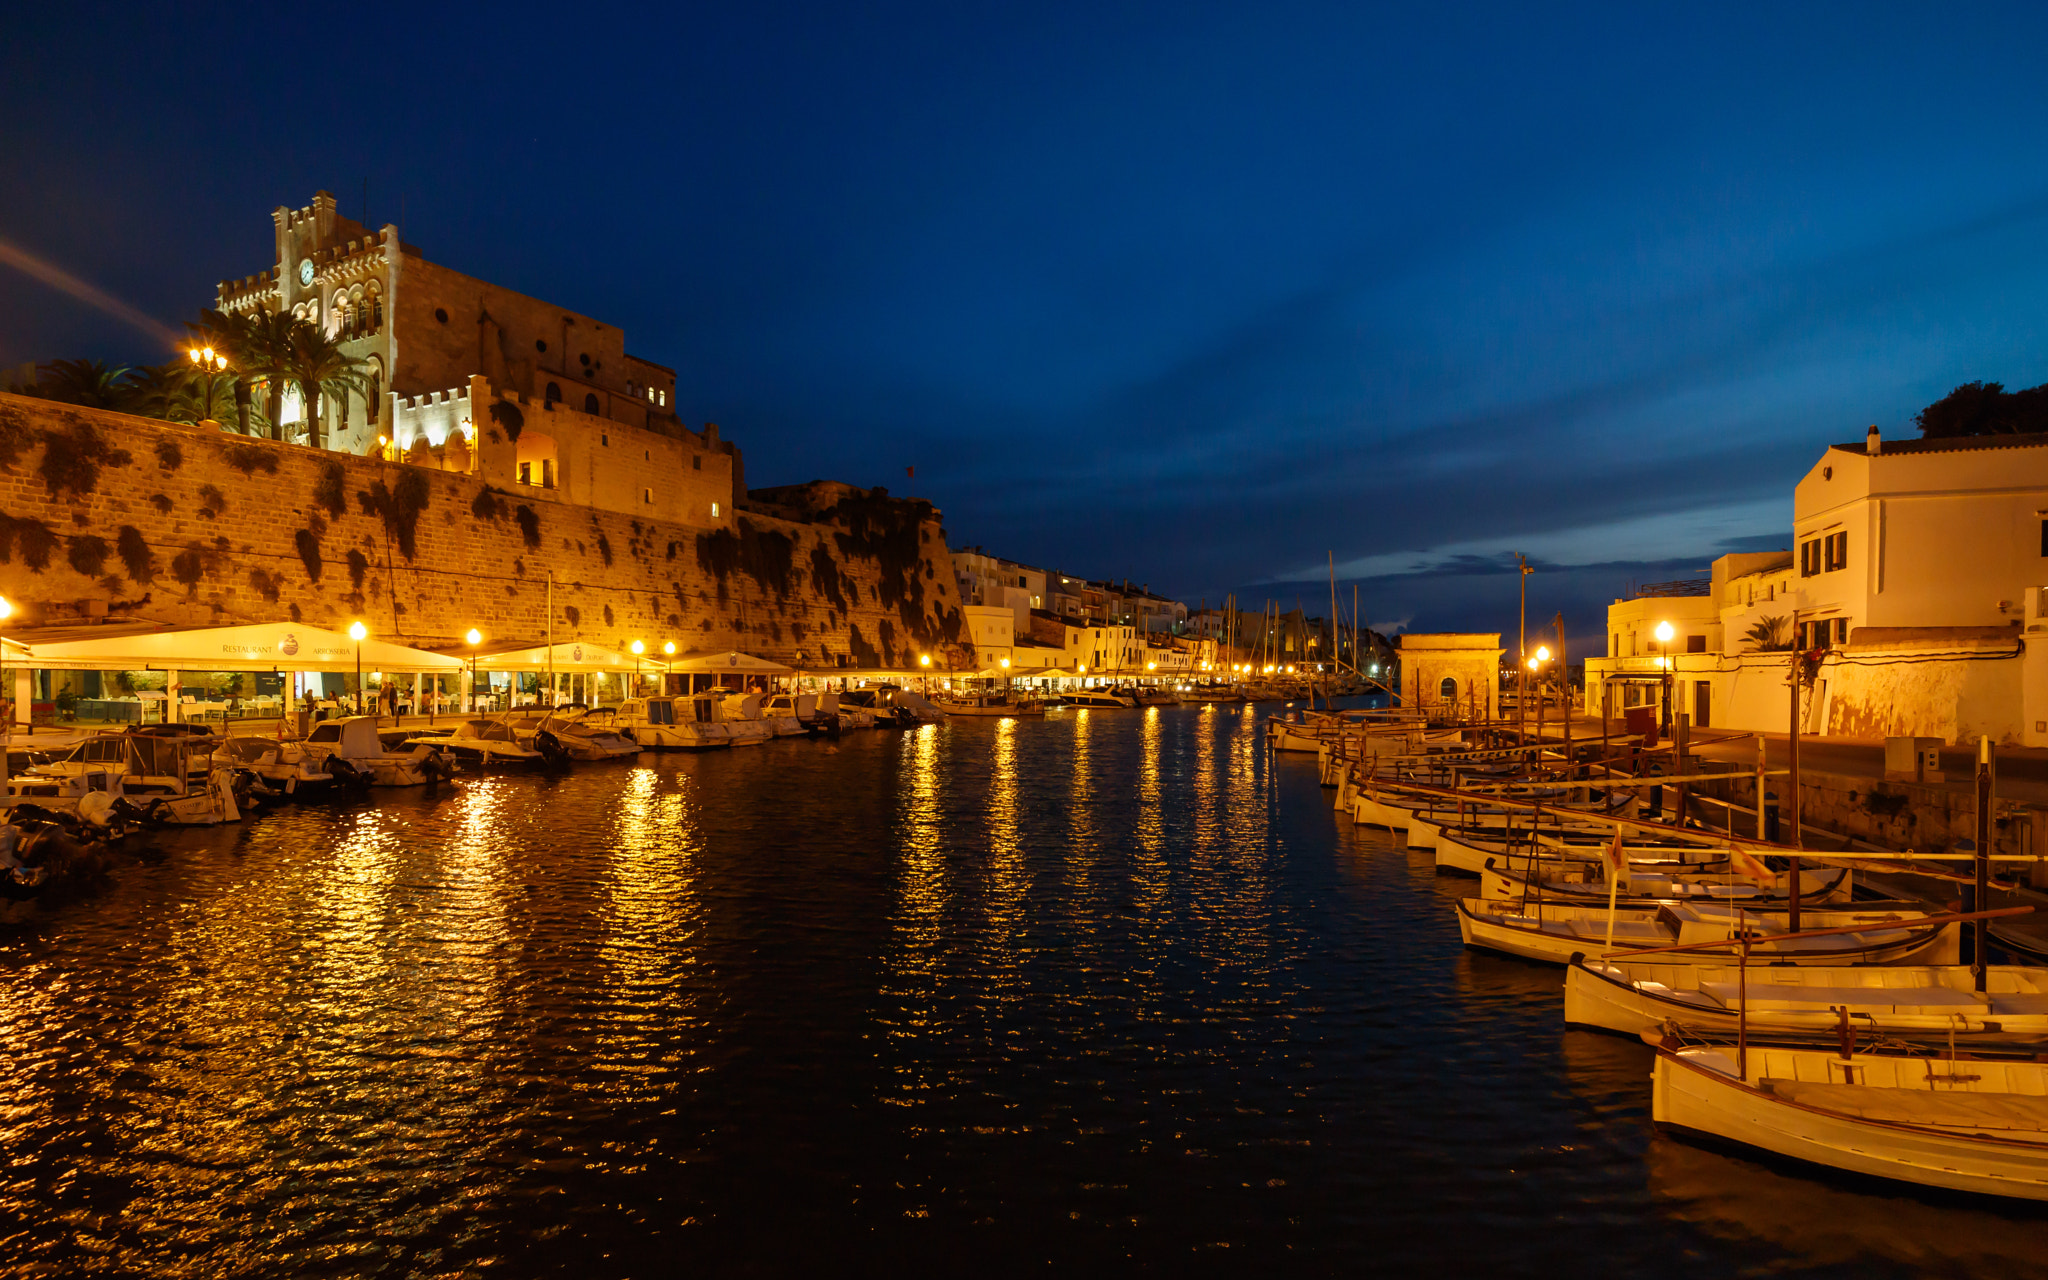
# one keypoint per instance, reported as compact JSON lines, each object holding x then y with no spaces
{"x":569,"y":655}
{"x":727,"y":662}
{"x":257,"y":646}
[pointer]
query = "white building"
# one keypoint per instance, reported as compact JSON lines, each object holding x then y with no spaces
{"x":1916,"y":576}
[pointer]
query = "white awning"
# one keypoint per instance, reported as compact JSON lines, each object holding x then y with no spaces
{"x":257,"y":646}
{"x":569,"y":655}
{"x":727,"y":662}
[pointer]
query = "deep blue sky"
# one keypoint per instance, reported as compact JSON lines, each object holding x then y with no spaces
{"x":1191,"y":295}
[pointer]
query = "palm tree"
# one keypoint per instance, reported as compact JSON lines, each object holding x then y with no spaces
{"x":1763,"y":635}
{"x":92,"y":383}
{"x":230,"y":336}
{"x":267,"y":356}
{"x":324,"y":373}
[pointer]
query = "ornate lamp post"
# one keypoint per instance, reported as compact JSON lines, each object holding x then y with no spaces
{"x":357,"y":632}
{"x":211,"y":364}
{"x":6,"y":730}
{"x":1664,"y":634}
{"x":474,"y":638}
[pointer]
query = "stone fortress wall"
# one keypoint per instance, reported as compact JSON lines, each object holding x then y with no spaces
{"x":107,"y":514}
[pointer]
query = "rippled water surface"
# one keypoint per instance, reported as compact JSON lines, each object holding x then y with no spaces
{"x":1113,"y":989}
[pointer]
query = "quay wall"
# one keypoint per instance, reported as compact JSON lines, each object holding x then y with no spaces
{"x":107,"y":514}
{"x":1926,"y":817}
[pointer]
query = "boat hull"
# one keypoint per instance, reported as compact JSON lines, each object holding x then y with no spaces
{"x":1688,"y":1094}
{"x":1527,"y":938}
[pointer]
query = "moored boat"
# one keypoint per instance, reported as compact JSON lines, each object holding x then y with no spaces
{"x":1959,"y":1122}
{"x":1553,"y":933}
{"x":1933,"y":1003}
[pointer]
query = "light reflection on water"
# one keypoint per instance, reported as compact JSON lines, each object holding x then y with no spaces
{"x":1111,"y":985}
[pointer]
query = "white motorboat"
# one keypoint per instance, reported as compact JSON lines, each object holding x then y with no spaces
{"x":284,"y":764}
{"x":171,"y":778}
{"x":1933,"y":1003}
{"x":1959,"y":1122}
{"x":579,"y":739}
{"x":736,"y":709}
{"x":1553,"y":932}
{"x":1103,"y":698}
{"x":670,"y":723}
{"x":485,"y":745}
{"x":993,"y":703}
{"x":850,"y":716}
{"x":803,"y":707}
{"x":880,"y":705}
{"x":355,"y":746}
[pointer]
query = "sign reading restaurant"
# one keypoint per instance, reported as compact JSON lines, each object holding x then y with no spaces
{"x":287,"y":648}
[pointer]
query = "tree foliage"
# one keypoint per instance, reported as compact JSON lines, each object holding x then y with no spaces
{"x":1765,"y":635}
{"x":1985,"y":409}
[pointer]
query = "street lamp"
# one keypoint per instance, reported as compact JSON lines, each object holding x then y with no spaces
{"x":474,"y":638}
{"x":211,"y":365}
{"x":1664,"y":634}
{"x":6,"y":730}
{"x":925,"y":660}
{"x":356,"y":632}
{"x":637,"y":649}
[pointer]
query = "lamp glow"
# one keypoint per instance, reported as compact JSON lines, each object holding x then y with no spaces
{"x":637,"y":648}
{"x":357,"y":631}
{"x":1664,"y":633}
{"x":474,"y":636}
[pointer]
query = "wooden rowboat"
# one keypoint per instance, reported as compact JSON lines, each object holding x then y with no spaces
{"x":1960,"y":1122}
{"x":1929,"y":1003}
{"x":1884,"y":933}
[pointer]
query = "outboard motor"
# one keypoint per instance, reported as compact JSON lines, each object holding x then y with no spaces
{"x":347,"y":774}
{"x":551,"y":749}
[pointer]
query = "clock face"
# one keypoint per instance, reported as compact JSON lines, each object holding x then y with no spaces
{"x":306,"y":271}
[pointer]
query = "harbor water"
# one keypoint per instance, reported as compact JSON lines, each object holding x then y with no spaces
{"x":1111,"y":989}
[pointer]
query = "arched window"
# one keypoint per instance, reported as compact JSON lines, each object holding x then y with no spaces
{"x":373,"y":307}
{"x":1448,"y":690}
{"x":554,"y":393}
{"x":590,"y":402}
{"x":376,"y":399}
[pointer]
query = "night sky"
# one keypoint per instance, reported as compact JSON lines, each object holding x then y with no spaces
{"x":1187,"y":295}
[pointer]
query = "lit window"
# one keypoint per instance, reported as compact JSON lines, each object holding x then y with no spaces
{"x":714,"y":511}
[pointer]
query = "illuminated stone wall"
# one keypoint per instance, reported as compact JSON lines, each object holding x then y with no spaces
{"x":102,"y":512}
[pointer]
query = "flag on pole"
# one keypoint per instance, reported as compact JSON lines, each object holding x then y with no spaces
{"x":1617,"y":858}
{"x":1750,"y":867}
